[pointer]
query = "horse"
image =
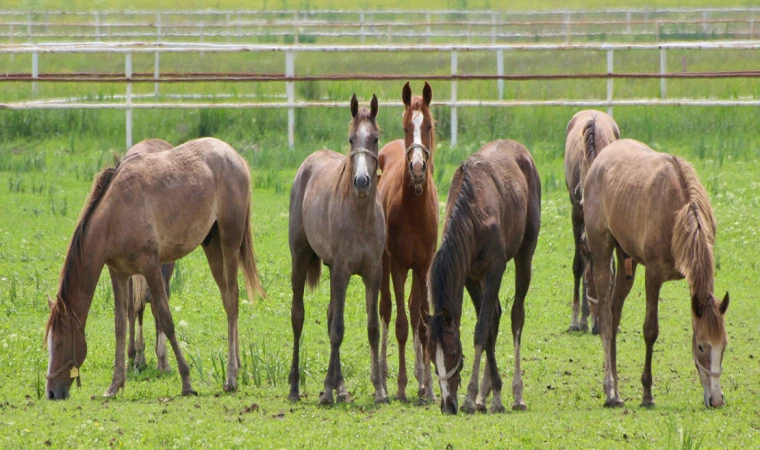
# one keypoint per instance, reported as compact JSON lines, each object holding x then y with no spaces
{"x":588,"y":133}
{"x":148,"y":210}
{"x":651,"y":207}
{"x":493,"y":215}
{"x":410,"y":201}
{"x":336,"y":218}
{"x":139,"y":294}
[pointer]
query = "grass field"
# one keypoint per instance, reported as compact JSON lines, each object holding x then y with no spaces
{"x":49,"y":159}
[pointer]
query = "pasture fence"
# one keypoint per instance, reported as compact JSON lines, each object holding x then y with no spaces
{"x":382,"y":25}
{"x":132,"y":102}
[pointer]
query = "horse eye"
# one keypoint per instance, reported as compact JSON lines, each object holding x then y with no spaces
{"x":700,"y":348}
{"x":377,"y":140}
{"x":350,"y":141}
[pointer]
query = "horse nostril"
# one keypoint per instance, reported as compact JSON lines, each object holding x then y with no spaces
{"x":711,"y":402}
{"x":51,"y":395}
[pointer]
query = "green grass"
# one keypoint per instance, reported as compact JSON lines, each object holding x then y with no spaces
{"x":562,"y":372}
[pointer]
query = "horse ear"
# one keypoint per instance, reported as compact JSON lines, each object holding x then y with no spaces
{"x":447,"y":316}
{"x":381,"y":161}
{"x":724,"y":304}
{"x":406,"y":95}
{"x":373,"y":106}
{"x":354,"y":106}
{"x":50,"y":302}
{"x":427,"y":94}
{"x":695,"y":306}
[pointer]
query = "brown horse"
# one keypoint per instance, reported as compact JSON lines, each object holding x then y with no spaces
{"x":493,"y":214}
{"x":588,"y":133}
{"x":651,"y":207}
{"x":149,"y":210}
{"x":336,"y":218}
{"x":410,"y":200}
{"x":139,"y":294}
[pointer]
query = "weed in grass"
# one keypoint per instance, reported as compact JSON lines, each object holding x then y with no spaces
{"x":196,"y":362}
{"x":177,"y":283}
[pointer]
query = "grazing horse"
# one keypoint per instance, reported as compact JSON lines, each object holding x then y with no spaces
{"x":336,"y":218}
{"x":588,"y":133}
{"x":493,"y":214}
{"x":651,"y":207}
{"x":410,"y":201}
{"x":149,"y":210}
{"x":139,"y":294}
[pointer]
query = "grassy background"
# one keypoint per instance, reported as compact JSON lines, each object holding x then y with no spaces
{"x":48,"y":160}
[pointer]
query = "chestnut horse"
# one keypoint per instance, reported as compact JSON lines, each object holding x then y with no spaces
{"x":336,"y":218}
{"x":588,"y":133}
{"x":139,"y":294}
{"x":652,"y":207}
{"x":149,"y":210}
{"x":493,"y":214}
{"x":410,"y":200}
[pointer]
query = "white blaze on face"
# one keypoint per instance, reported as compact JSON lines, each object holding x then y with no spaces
{"x":361,"y":165}
{"x":715,"y":353}
{"x":441,"y":366}
{"x":417,"y":119}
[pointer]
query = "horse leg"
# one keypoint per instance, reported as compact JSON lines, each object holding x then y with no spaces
{"x":298,"y":274}
{"x":491,"y":377}
{"x":371,"y":289}
{"x":162,"y":364}
{"x":651,"y":331}
{"x":578,"y":264}
{"x":475,"y":289}
{"x":419,"y":310}
{"x":620,"y":290}
{"x":402,"y":328}
{"x":385,"y":316}
{"x":160,"y":305}
{"x":339,"y":278}
{"x":119,"y":282}
{"x":131,"y":315}
{"x":488,"y":308}
{"x":139,"y":362}
{"x":523,"y":274}
{"x":601,"y":254}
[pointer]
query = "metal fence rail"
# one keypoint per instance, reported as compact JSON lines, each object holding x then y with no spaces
{"x":289,"y":76}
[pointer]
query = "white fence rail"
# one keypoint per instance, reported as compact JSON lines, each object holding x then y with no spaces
{"x":128,"y":49}
{"x":386,"y":25}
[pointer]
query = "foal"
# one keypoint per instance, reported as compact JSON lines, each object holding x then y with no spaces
{"x":493,"y":214}
{"x":336,"y":218}
{"x":588,"y":133}
{"x":410,"y":200}
{"x":650,"y":207}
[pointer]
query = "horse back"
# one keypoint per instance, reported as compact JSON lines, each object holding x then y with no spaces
{"x":588,"y":133}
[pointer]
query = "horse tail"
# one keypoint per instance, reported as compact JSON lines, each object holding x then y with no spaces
{"x":694,"y":232}
{"x":138,"y":292}
{"x":313,"y":272}
{"x":587,"y":142}
{"x":248,"y":260}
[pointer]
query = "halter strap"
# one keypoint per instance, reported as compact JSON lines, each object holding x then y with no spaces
{"x":704,"y":369}
{"x":592,"y":300}
{"x":73,"y":361}
{"x":356,"y":151}
{"x":419,"y":146}
{"x":454,"y":370}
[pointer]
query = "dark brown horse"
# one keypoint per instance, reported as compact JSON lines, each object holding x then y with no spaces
{"x":588,"y":133}
{"x":336,"y":218}
{"x":651,"y":207}
{"x":149,"y":210}
{"x":139,"y":294}
{"x":409,"y":198}
{"x":493,"y":215}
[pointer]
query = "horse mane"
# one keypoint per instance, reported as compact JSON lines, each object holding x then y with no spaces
{"x":418,"y":104}
{"x":692,"y":247}
{"x":450,"y":262}
{"x":586,"y":140}
{"x":69,"y":279}
{"x":345,"y":167}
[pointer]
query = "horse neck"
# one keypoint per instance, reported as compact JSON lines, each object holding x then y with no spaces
{"x":79,"y":295}
{"x":447,"y":274}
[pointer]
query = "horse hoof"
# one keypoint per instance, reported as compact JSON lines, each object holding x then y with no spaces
{"x":519,"y":407}
{"x":467,"y":409}
{"x":294,"y":397}
{"x":189,"y":393}
{"x":595,"y":330}
{"x":480,"y":407}
{"x":583,"y":328}
{"x":346,"y":398}
{"x":401,"y":397}
{"x":383,"y":401}
{"x":613,"y":403}
{"x":109,"y":394}
{"x":229,"y":387}
{"x":574,"y":328}
{"x":647,"y":404}
{"x":325,"y":399}
{"x":498,"y":409}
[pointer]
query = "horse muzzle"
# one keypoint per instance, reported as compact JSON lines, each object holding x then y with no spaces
{"x":57,"y":390}
{"x":449,"y":405}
